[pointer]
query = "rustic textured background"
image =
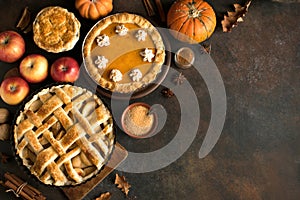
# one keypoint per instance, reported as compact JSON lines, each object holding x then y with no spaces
{"x":258,"y":154}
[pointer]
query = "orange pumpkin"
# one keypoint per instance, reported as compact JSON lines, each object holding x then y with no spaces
{"x":192,"y":21}
{"x":94,"y":9}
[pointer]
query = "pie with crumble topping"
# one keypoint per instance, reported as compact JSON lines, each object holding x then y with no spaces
{"x":64,"y":135}
{"x":123,"y":52}
{"x":55,"y":29}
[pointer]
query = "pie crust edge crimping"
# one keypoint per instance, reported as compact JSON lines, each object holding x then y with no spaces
{"x":64,"y":158}
{"x":123,"y":18}
{"x":55,"y":29}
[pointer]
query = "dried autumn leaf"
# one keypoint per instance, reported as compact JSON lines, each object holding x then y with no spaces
{"x":122,"y":184}
{"x":232,"y":18}
{"x":104,"y":196}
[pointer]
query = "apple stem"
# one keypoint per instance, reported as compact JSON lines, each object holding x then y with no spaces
{"x":12,"y":88}
{"x":5,"y":41}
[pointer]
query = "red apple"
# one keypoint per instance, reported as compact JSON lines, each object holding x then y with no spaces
{"x":65,"y":69}
{"x":34,"y":68}
{"x":13,"y":90}
{"x":12,"y":46}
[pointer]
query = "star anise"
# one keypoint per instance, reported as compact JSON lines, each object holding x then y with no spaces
{"x":4,"y":158}
{"x":179,"y":78}
{"x":167,"y":92}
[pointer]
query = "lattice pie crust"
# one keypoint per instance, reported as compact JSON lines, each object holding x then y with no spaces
{"x":64,"y":135}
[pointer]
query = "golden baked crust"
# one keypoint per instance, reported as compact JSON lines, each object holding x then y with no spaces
{"x":55,"y":29}
{"x":126,"y":44}
{"x":64,"y":135}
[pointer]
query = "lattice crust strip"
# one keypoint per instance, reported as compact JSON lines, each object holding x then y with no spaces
{"x":64,"y":135}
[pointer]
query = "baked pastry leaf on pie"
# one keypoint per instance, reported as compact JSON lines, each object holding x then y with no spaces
{"x":123,"y":53}
{"x":55,"y":29}
{"x":64,"y":135}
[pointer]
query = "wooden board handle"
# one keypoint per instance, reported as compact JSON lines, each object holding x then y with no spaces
{"x":78,"y":192}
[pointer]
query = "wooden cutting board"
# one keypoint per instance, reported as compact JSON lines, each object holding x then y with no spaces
{"x":78,"y":192}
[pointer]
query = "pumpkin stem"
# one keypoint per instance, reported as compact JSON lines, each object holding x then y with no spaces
{"x":193,"y":11}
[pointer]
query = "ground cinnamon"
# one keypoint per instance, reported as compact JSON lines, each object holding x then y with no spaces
{"x":184,"y":57}
{"x":138,"y":121}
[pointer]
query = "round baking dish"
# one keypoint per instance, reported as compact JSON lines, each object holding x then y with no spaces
{"x":138,"y":121}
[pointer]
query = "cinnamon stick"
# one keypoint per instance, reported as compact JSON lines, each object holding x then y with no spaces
{"x":14,"y":188}
{"x":19,"y":187}
{"x":160,"y":10}
{"x":35,"y":190}
{"x":149,"y":7}
{"x":18,"y":182}
{"x":28,"y":188}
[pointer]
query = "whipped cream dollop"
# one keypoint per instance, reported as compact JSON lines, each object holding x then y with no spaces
{"x":121,"y":30}
{"x":101,"y":62}
{"x":147,"y":55}
{"x":141,"y":35}
{"x":115,"y":75}
{"x":103,"y":40}
{"x":135,"y":75}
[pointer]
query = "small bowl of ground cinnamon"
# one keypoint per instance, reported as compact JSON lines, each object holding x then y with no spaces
{"x":137,"y":120}
{"x":184,"y":58}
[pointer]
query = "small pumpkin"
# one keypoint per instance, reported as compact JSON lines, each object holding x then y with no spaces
{"x":192,"y":21}
{"x":94,"y":9}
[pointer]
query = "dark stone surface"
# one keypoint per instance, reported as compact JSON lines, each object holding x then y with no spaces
{"x":258,"y":153}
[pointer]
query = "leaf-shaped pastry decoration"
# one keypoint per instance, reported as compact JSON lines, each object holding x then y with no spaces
{"x":232,"y":18}
{"x":104,"y":196}
{"x":122,"y":184}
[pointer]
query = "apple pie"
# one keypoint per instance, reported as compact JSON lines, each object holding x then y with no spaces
{"x":55,"y":29}
{"x":123,"y":52}
{"x":64,"y":135}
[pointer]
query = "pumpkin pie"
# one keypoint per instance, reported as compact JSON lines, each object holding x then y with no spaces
{"x":123,"y":52}
{"x":55,"y":29}
{"x":64,"y":135}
